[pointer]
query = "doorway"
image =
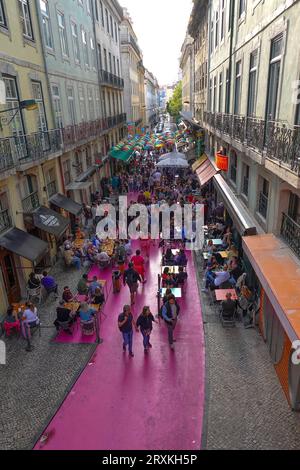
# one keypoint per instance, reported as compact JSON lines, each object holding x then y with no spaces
{"x":10,"y":277}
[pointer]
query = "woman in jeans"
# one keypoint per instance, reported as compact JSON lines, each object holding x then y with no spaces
{"x":144,"y":322}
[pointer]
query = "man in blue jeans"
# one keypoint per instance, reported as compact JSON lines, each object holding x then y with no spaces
{"x":125,"y":322}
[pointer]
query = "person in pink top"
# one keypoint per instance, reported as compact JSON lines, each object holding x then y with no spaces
{"x":139,"y":264}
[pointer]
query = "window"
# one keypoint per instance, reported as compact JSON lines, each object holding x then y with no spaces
{"x":93,"y":53}
{"x":217,"y":30}
{"x":102,"y":13}
{"x":46,"y":23}
{"x":118,"y":69}
{"x":294,"y":208}
{"x":114,"y":64}
{"x":99,"y":55}
{"x":98,"y":108}
{"x":222,"y":20}
{"x":111,"y":27}
{"x":210,"y":95}
{"x":51,"y":182}
{"x":109,"y":60}
{"x":75,"y":40}
{"x":274,"y":74}
{"x":116,"y":32}
{"x":25,"y":18}
{"x":2,"y":15}
{"x":241,"y":7}
{"x":57,"y":106}
{"x":91,"y":104}
{"x":85,"y":47}
{"x":71,"y":105}
{"x":107,"y":20}
{"x":62,"y":34}
{"x":231,"y":14}
{"x":105,"y":60}
{"x":237,"y":94}
{"x":220,"y":92}
{"x":104,"y":104}
{"x":12,"y":101}
{"x":227,"y":102}
{"x":233,"y":167}
{"x":246,"y":173}
{"x":252,"y":84}
{"x":41,"y":115}
{"x":82,"y":107}
{"x":263,"y":198}
{"x":96,"y":10}
{"x":211,"y":37}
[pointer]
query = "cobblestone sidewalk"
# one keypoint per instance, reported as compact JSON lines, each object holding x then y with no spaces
{"x":246,"y":407}
{"x":33,"y":384}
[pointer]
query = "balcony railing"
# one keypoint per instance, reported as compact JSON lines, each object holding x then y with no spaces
{"x":280,"y":141}
{"x":6,"y":156}
{"x":31,"y":202}
{"x":290,"y":232}
{"x":5,"y":220}
{"x":111,"y":79}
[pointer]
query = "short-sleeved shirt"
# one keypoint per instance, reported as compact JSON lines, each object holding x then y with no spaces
{"x":48,"y":282}
{"x":87,"y":316}
{"x":127,"y":328}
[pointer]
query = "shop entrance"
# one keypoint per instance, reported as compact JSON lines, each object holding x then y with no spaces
{"x":10,"y":276}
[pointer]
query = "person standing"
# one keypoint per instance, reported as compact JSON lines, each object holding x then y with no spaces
{"x":131,"y":278}
{"x":144,"y":322}
{"x":139,"y":264}
{"x":170,"y":312}
{"x":125,"y":324}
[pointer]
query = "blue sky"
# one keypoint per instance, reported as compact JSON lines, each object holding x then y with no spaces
{"x":160,"y":26}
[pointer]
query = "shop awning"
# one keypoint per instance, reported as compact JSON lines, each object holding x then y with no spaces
{"x":59,"y":200}
{"x":122,"y":155}
{"x":23,"y":244}
{"x":87,"y":174}
{"x":279,"y":274}
{"x":188,"y":118}
{"x":244,"y":222}
{"x":75,"y":186}
{"x":50,"y":221}
{"x":206,"y":172}
{"x":199,"y":162}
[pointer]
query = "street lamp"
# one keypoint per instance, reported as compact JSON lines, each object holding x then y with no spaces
{"x":29,"y":105}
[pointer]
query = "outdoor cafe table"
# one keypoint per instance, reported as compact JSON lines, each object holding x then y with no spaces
{"x":108,"y":247}
{"x":177,"y":292}
{"x":221,"y":294}
{"x":216,"y":241}
{"x":224,"y":254}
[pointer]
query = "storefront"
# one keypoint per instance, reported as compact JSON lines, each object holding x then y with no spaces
{"x":67,"y":207}
{"x":279,"y":321}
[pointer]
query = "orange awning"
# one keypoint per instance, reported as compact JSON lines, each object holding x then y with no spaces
{"x":206,"y":172}
{"x":279,"y":275}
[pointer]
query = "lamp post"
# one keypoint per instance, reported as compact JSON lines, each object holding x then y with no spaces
{"x":29,"y":105}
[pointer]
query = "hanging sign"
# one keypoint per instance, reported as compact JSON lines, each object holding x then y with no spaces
{"x":222,"y":162}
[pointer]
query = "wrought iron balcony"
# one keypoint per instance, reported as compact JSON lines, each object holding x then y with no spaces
{"x":290,"y":232}
{"x":83,"y":131}
{"x":111,"y":79}
{"x":280,"y":141}
{"x":31,"y":202}
{"x":5,"y":220}
{"x":6,"y":155}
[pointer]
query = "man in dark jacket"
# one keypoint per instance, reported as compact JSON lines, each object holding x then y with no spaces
{"x":170,"y":312}
{"x":64,"y":315}
{"x":132,"y":278}
{"x":228,"y":307}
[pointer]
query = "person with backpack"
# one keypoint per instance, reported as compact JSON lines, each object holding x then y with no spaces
{"x":125,"y":323}
{"x":170,"y":312}
{"x":132,"y":278}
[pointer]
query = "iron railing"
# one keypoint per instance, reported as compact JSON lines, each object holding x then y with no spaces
{"x":111,"y":79}
{"x":280,"y":141}
{"x":5,"y":220}
{"x":31,"y":202}
{"x":290,"y":232}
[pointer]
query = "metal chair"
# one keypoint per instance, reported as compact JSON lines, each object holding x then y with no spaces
{"x":34,"y":294}
{"x":88,"y":328}
{"x":66,"y":326}
{"x":227,"y":322}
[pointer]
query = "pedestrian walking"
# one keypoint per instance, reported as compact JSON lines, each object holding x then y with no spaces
{"x":144,"y":322}
{"x":170,"y":312}
{"x":132,"y":278}
{"x":125,"y":324}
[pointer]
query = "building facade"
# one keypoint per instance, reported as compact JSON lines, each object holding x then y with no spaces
{"x":152,"y":99}
{"x":134,"y":76}
{"x":107,"y":17}
{"x":187,"y":67}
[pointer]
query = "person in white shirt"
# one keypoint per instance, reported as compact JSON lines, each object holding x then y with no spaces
{"x":222,"y":276}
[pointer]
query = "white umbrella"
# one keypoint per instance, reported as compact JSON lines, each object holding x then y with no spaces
{"x":173,"y":162}
{"x":174,"y":154}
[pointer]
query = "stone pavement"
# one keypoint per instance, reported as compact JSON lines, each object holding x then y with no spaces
{"x":246,"y":407}
{"x":33,"y":384}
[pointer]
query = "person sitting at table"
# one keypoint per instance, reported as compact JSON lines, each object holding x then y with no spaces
{"x":70,"y":258}
{"x":63,"y":315}
{"x":167,"y":295}
{"x":68,"y":241}
{"x":215,"y":280}
{"x":235,"y":270}
{"x":86,"y":313}
{"x":10,"y":322}
{"x":98,"y":297}
{"x":168,"y":279}
{"x":209,"y":246}
{"x":228,"y":307}
{"x":33,"y":281}
{"x":30,"y":315}
{"x":67,"y":295}
{"x":233,"y":252}
{"x":49,"y":284}
{"x":227,"y":238}
{"x":181,"y":277}
{"x":82,"y":286}
{"x":94,"y":285}
{"x":181,"y":259}
{"x":102,"y":259}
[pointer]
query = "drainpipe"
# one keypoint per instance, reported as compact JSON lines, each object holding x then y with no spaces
{"x":231,"y":13}
{"x":37,"y":6}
